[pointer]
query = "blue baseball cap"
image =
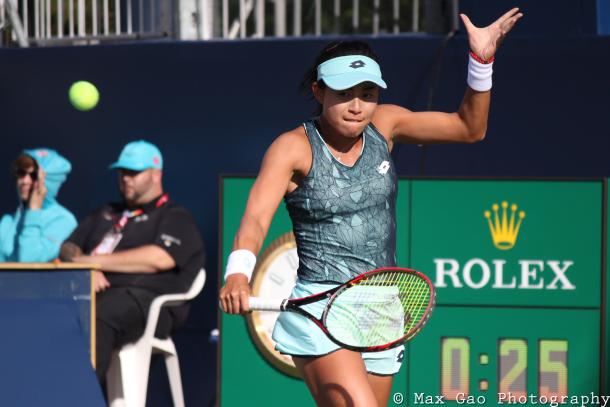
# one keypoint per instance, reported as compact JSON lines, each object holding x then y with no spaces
{"x":344,"y":72}
{"x":139,"y":156}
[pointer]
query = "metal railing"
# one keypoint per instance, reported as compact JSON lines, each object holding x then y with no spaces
{"x":50,"y":22}
{"x":250,"y":19}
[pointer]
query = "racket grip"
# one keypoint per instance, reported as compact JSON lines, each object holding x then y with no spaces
{"x":266,"y":304}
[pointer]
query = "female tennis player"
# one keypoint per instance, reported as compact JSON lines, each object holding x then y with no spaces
{"x":338,"y":180}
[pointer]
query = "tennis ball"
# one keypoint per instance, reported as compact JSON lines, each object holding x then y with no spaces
{"x":83,"y":95}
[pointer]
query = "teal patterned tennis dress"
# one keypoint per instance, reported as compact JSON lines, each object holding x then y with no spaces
{"x":344,"y":223}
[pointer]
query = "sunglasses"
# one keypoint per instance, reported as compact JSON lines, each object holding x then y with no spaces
{"x":20,"y":173}
{"x":129,"y":173}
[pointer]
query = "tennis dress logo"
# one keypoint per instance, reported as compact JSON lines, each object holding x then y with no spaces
{"x":400,"y":356}
{"x":383,"y":167}
{"x":505,"y":223}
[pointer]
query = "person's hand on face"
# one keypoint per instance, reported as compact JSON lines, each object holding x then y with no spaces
{"x":39,"y":191}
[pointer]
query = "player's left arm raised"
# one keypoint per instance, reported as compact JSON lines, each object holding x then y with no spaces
{"x":469,"y":123}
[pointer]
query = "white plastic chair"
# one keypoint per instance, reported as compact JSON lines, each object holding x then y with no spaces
{"x":127,"y":376}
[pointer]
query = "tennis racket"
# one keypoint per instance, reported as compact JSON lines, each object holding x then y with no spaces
{"x":375,"y":311}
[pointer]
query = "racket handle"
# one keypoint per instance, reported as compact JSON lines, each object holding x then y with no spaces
{"x":267,"y":304}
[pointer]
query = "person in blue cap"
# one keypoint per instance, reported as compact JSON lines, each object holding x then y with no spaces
{"x":40,"y":224}
{"x":337,"y":178}
{"x":146,"y":245}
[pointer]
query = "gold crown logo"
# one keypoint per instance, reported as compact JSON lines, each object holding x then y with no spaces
{"x":504,"y":231}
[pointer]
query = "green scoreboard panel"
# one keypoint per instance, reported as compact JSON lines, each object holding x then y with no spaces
{"x":519,"y":271}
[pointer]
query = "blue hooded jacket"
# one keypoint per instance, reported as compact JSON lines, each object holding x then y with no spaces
{"x":36,"y":236}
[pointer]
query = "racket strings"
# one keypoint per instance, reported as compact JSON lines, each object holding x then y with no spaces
{"x":381,"y":309}
{"x":413,"y":294}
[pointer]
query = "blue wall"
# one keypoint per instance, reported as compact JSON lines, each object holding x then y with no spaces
{"x":603,"y":17}
{"x":214,"y":107}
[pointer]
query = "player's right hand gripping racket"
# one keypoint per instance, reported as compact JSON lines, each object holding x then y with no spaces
{"x":375,"y":311}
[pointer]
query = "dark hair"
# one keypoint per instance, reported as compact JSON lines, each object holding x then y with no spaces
{"x":332,"y":50}
{"x":23,"y":162}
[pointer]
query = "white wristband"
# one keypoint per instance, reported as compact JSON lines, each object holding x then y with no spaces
{"x":479,"y":75}
{"x":241,"y":261}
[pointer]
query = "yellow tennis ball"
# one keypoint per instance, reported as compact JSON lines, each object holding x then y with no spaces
{"x":83,"y":95}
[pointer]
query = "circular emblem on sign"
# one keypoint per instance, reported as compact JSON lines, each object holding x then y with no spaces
{"x":274,"y":277}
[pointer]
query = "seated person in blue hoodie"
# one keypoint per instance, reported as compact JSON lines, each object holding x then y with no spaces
{"x":35,"y":232}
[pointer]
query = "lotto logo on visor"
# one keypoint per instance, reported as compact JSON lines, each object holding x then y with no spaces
{"x":347,"y":71}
